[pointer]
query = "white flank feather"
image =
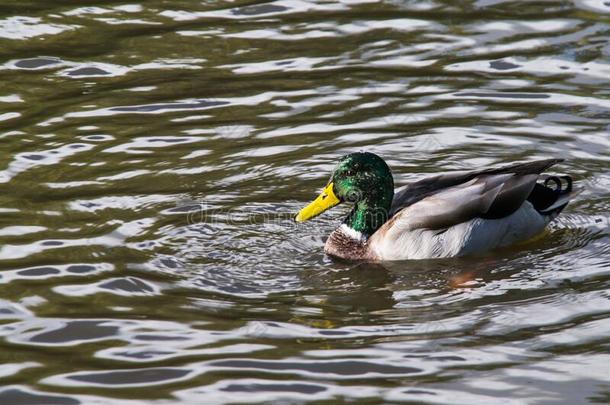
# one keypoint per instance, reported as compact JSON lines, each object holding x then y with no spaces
{"x":474,"y":236}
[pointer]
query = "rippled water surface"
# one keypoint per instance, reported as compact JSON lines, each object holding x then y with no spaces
{"x":152,"y":155}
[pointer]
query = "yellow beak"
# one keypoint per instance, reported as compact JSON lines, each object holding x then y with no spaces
{"x":326,"y":200}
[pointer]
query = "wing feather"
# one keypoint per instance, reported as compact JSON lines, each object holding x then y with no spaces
{"x":449,"y":199}
{"x":414,"y":192}
{"x":453,"y":205}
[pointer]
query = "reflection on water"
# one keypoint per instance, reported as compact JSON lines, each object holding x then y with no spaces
{"x":154,"y":154}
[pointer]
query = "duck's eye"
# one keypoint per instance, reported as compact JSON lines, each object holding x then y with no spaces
{"x":349,"y":173}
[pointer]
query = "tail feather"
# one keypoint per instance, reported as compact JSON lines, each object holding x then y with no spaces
{"x":551,"y":197}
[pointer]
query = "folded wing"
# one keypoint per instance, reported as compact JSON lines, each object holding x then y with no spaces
{"x":449,"y":199}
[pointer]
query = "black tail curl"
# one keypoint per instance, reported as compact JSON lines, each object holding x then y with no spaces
{"x":550,"y":197}
{"x":558,"y":183}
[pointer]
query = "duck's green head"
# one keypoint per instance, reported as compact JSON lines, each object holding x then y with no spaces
{"x":363,"y":179}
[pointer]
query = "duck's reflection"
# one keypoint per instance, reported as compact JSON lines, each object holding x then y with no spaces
{"x":416,"y":292}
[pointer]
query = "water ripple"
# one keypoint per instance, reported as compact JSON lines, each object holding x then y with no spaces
{"x":155,"y":154}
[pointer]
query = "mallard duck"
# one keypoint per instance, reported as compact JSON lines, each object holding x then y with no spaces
{"x":446,"y":215}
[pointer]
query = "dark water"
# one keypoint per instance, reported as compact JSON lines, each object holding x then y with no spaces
{"x":152,"y":155}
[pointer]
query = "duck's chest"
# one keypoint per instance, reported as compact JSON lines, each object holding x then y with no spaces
{"x":348,"y":244}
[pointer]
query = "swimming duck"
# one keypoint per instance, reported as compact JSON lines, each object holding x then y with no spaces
{"x":446,"y":215}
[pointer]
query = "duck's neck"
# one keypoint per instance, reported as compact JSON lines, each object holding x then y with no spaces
{"x":368,"y":215}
